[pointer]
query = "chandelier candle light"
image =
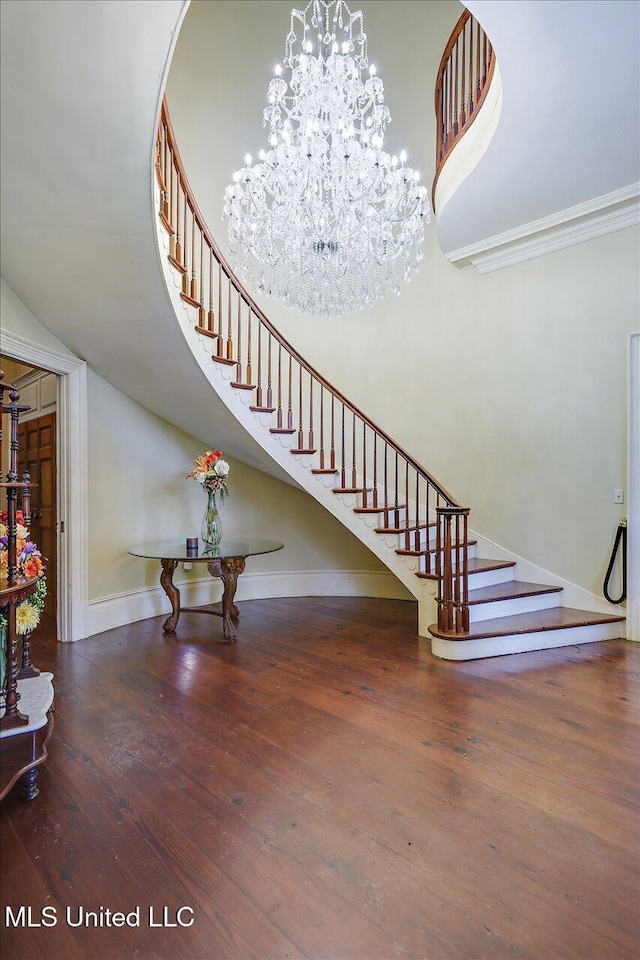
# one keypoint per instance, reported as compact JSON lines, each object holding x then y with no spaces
{"x":326,"y":220}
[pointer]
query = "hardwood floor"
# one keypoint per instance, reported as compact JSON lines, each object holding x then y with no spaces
{"x":328,"y":789}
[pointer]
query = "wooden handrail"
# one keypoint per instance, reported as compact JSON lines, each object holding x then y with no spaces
{"x":462,"y":82}
{"x":289,"y":348}
{"x":210,"y":286}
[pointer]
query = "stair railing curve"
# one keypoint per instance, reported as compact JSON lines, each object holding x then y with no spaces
{"x":366,"y":460}
{"x":462,"y":82}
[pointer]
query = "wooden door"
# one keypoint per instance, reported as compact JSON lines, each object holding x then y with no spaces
{"x":37,"y":454}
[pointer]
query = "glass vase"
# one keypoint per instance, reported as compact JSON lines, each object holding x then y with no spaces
{"x":211,"y":531}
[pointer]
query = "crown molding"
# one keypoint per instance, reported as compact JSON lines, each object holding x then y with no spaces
{"x":595,"y":218}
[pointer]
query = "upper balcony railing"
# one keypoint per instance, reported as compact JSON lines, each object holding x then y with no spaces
{"x":366,"y":460}
{"x":463,"y":79}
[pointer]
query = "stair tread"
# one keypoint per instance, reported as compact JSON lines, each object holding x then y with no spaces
{"x":206,"y":332}
{"x":557,"y":618}
{"x":383,"y":509}
{"x":391,"y":530}
{"x":511,"y":590}
{"x":352,"y":489}
{"x":190,"y":300}
{"x":476,"y":565}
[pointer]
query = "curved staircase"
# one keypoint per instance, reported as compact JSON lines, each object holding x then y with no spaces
{"x":471,"y":605}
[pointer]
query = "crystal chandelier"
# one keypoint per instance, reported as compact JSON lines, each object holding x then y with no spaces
{"x":326,"y":220}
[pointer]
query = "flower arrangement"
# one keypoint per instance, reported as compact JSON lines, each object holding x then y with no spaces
{"x":211,"y":470}
{"x":30,"y":564}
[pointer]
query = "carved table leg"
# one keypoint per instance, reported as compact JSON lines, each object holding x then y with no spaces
{"x":228,"y":571}
{"x":12,"y":716}
{"x":166,"y":582}
{"x":27,"y":669}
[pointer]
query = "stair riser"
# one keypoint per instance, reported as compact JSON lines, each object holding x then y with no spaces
{"x":487,"y":578}
{"x":524,"y":642}
{"x":512,"y":606}
{"x":423,"y":560}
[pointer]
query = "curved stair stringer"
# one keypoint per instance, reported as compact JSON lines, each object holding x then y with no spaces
{"x":407,"y":568}
{"x":469,"y":601}
{"x":471,"y":147}
{"x":298,"y":466}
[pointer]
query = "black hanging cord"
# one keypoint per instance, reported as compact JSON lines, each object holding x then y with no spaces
{"x":621,"y":535}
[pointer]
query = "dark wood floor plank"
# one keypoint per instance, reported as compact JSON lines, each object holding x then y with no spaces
{"x":19,"y":874}
{"x":327,"y":788}
{"x":226,"y":924}
{"x":355,"y":780}
{"x":230,"y":733}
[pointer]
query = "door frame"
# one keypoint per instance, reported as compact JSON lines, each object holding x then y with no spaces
{"x":72,"y":470}
{"x":633,"y":491}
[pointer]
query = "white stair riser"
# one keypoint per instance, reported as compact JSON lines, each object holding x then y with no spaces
{"x":423,"y":560}
{"x":510,"y":607}
{"x":422,"y":539}
{"x":487,"y":578}
{"x":524,"y":642}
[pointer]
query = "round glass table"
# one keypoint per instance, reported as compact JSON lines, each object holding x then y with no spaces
{"x":226,"y":561}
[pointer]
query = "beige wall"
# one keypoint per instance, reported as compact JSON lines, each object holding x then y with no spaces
{"x":510,"y":388}
{"x":137,"y":491}
{"x":137,"y":468}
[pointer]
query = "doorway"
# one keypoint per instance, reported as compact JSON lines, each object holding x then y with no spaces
{"x":37,"y":456}
{"x":37,"y":443}
{"x":73,"y":476}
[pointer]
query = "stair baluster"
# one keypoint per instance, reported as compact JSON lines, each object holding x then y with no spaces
{"x":363,"y":455}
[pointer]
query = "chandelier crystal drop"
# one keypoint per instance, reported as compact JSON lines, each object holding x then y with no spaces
{"x":326,"y":220}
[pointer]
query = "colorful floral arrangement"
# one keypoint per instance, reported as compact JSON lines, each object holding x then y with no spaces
{"x":211,"y":470}
{"x":30,"y":564}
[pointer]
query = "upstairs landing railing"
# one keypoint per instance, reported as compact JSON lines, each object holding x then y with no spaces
{"x":463,"y":79}
{"x":367,"y":462}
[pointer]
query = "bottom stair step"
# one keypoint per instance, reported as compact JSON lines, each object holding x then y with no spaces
{"x":544,"y":629}
{"x":558,"y":618}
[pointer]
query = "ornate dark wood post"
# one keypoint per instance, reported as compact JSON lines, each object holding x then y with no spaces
{"x":453,"y":580}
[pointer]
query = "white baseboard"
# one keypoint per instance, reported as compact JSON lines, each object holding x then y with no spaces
{"x":107,"y":613}
{"x":633,"y":620}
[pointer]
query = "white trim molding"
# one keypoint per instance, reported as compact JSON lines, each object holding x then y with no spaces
{"x":633,"y":488}
{"x":585,"y":221}
{"x":73,"y":562}
{"x":107,"y":613}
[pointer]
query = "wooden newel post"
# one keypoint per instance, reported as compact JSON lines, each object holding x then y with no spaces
{"x":452,"y":552}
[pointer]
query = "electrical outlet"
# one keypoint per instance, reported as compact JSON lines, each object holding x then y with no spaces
{"x":618,"y":496}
